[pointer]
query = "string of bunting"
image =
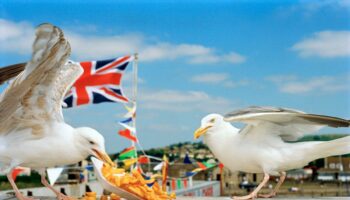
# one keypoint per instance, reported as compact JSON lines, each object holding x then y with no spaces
{"x":129,"y":157}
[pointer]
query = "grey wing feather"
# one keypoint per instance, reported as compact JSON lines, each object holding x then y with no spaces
{"x":289,"y":124}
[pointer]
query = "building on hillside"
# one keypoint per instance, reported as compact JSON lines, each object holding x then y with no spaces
{"x":336,"y":168}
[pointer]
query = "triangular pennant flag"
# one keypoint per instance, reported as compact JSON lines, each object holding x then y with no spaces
{"x":89,"y":167}
{"x":197,"y":170}
{"x":221,"y":166}
{"x":132,"y":129}
{"x":187,"y":159}
{"x":16,"y":172}
{"x":190,"y":174}
{"x":202,"y":165}
{"x":173,"y":184}
{"x":149,"y":181}
{"x":185,"y":182}
{"x":158,"y":167}
{"x":209,"y":165}
{"x":127,"y":153}
{"x":127,"y":120}
{"x":143,"y":160}
{"x":127,"y":134}
{"x":179,"y":184}
{"x":139,"y":169}
{"x":131,"y":112}
{"x":53,"y":174}
{"x":129,"y":162}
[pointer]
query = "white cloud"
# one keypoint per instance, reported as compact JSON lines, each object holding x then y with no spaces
{"x":17,"y":37}
{"x":281,"y":78}
{"x":210,"y":78}
{"x":309,"y":8}
{"x":321,"y":84}
{"x":183,"y":101}
{"x":328,"y":44}
{"x":218,"y":78}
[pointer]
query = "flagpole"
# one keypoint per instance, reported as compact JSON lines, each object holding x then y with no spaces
{"x":135,"y":73}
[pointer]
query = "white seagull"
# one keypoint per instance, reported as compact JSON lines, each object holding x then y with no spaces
{"x":32,"y":130}
{"x":265,"y":144}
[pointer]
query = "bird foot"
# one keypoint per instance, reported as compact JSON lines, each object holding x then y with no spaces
{"x":270,"y":195}
{"x":64,"y":197}
{"x":250,"y":196}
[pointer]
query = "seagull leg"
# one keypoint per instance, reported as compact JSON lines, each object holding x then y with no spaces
{"x":59,"y":195}
{"x":274,"y":192}
{"x":15,"y":188}
{"x":254,"y":194}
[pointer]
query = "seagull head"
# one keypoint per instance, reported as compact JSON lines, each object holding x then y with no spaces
{"x":209,"y":124}
{"x":93,"y":143}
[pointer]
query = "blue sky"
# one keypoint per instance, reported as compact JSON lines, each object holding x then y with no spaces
{"x":198,"y":57}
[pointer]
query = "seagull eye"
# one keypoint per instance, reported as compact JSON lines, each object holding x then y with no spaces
{"x":212,"y":120}
{"x":91,"y":142}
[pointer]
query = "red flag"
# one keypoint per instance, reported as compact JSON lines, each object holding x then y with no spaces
{"x":127,"y":134}
{"x":173,"y":184}
{"x":139,"y":169}
{"x":221,"y":165}
{"x":16,"y":172}
{"x":201,"y":165}
{"x":185,"y":183}
{"x":143,"y":159}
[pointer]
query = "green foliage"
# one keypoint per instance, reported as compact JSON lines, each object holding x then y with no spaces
{"x":22,"y":181}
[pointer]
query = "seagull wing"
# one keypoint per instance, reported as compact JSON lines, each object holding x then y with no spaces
{"x":289,"y":124}
{"x":9,"y":72}
{"x":35,"y":95}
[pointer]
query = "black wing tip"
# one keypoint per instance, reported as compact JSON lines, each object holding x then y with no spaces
{"x":11,"y":71}
{"x":335,"y":122}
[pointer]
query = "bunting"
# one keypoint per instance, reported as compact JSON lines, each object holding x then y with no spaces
{"x":131,"y":112}
{"x":53,"y":174}
{"x":16,"y":172}
{"x":173,"y":184}
{"x":128,"y":135}
{"x":129,"y":162}
{"x":158,"y":167}
{"x":127,"y":153}
{"x":187,"y":159}
{"x":206,"y":165}
{"x":143,"y":159}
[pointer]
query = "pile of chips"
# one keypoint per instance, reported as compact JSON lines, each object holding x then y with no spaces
{"x":92,"y":196}
{"x":134,"y":183}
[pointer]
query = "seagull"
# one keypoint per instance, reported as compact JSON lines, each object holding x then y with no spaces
{"x":32,"y":129}
{"x":267,"y":144}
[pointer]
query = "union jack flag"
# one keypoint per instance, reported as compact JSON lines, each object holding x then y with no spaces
{"x":100,"y":82}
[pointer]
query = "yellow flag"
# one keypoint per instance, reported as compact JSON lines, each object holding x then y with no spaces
{"x":197,"y":170}
{"x":129,"y":162}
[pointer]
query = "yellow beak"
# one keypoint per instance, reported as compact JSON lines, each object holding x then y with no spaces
{"x":201,"y":131}
{"x":103,"y":157}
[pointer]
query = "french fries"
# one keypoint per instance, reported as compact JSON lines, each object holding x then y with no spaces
{"x":134,"y":183}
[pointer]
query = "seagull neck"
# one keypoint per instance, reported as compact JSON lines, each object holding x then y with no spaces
{"x":81,"y":144}
{"x":224,"y":133}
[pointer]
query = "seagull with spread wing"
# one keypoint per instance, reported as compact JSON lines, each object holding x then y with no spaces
{"x":265,"y":144}
{"x":32,"y":129}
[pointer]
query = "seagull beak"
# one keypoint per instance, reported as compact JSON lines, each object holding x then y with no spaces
{"x":101,"y":155}
{"x":201,"y":131}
